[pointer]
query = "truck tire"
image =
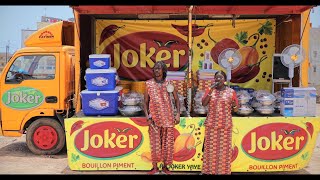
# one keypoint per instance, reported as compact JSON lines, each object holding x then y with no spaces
{"x":45,"y":136}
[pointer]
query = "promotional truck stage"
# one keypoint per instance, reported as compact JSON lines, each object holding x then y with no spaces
{"x":42,"y":83}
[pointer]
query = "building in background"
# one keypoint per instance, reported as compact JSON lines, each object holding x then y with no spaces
{"x":314,"y":59}
{"x":25,"y":33}
{"x":71,"y":19}
{"x":50,"y":19}
{"x":4,"y":57}
{"x":45,"y":21}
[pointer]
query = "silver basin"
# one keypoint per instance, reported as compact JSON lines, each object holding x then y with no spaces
{"x":265,"y":111}
{"x":200,"y":111}
{"x":244,"y":111}
{"x":131,"y":102}
{"x":130,"y":113}
{"x":243,"y":100}
{"x":266,"y":102}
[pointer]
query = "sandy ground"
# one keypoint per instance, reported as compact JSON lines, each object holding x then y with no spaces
{"x":16,"y":158}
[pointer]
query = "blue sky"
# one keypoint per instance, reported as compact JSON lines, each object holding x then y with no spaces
{"x":315,"y":17}
{"x":15,"y":18}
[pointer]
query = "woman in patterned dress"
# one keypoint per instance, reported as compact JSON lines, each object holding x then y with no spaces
{"x":160,"y":114}
{"x":221,"y":100}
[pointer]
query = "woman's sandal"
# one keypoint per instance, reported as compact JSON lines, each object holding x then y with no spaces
{"x":153,"y":171}
{"x":166,"y":171}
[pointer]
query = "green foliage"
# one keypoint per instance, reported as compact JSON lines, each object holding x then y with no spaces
{"x":201,"y":122}
{"x":75,"y":158}
{"x":200,"y":64}
{"x":242,"y":37}
{"x":305,"y":156}
{"x":182,"y":122}
{"x":266,"y":28}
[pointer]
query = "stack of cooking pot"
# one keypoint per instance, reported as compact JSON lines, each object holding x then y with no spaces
{"x":131,"y":104}
{"x":198,"y":108}
{"x":244,"y":98}
{"x":266,"y":100}
{"x":277,"y":102}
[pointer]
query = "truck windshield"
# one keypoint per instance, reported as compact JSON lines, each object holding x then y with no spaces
{"x":33,"y":67}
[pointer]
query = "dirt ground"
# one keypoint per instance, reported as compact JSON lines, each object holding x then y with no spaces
{"x":16,"y":158}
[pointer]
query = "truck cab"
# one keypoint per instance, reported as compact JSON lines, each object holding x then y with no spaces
{"x":37,"y":89}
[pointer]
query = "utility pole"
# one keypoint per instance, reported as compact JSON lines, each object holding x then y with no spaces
{"x":7,"y":52}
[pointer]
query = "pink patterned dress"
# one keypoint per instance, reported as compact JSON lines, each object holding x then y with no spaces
{"x":160,"y":108}
{"x":218,"y":132}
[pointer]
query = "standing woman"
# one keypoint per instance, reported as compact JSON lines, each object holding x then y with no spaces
{"x":160,"y":114}
{"x":221,"y":100}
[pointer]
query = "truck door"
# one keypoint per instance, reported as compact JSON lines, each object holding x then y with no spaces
{"x":31,"y":82}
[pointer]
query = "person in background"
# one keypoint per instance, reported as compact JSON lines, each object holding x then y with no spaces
{"x":159,"y":110}
{"x":221,"y":101}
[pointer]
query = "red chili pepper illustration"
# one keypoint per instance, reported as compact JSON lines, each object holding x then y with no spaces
{"x":184,"y":154}
{"x":176,"y":133}
{"x":235,"y":152}
{"x":309,"y":128}
{"x":75,"y":126}
{"x":241,"y":72}
{"x":141,"y":121}
{"x":108,"y":32}
{"x":196,"y":30}
{"x":247,"y":72}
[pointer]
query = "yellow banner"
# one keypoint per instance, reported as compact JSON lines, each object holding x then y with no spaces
{"x":135,"y":45}
{"x":259,"y":144}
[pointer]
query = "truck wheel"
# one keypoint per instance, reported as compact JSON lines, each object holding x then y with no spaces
{"x":45,"y":136}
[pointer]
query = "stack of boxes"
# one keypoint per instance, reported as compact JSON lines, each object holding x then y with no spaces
{"x":205,"y":75}
{"x":297,"y":101}
{"x":178,"y":78}
{"x":102,"y":95}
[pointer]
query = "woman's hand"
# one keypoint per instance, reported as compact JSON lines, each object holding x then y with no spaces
{"x":150,"y":121}
{"x":234,"y":106}
{"x":177,"y":119}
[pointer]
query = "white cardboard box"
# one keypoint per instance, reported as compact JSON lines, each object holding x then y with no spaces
{"x":298,"y":101}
